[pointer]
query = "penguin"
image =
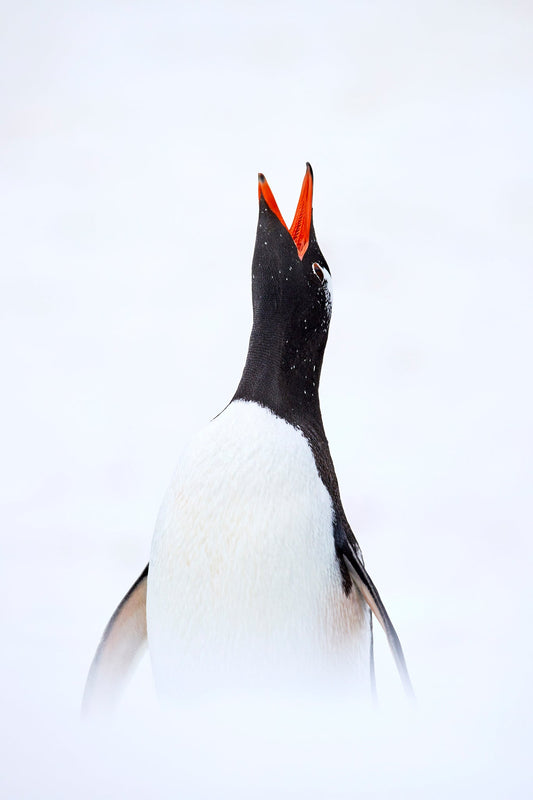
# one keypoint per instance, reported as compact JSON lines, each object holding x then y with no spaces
{"x":255,"y":575}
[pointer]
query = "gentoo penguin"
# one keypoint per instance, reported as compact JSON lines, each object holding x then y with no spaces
{"x":254,"y":572}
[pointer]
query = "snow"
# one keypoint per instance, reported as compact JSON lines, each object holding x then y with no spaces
{"x":131,"y":139}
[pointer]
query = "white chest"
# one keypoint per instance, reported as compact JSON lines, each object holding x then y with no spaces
{"x":243,"y":566}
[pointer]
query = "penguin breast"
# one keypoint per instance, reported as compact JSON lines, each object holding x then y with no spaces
{"x":243,"y":572}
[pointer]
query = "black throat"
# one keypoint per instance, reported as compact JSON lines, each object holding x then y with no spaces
{"x":281,"y":372}
{"x":290,"y":326}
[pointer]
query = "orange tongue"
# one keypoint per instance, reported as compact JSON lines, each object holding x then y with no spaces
{"x":301,"y":224}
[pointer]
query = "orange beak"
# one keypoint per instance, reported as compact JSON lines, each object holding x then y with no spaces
{"x":301,"y":224}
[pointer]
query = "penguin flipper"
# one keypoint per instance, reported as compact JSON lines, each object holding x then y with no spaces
{"x":120,"y":648}
{"x":362,"y":581}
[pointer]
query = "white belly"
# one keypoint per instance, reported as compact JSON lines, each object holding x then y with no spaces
{"x":244,"y":581}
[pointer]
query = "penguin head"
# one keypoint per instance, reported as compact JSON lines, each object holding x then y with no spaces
{"x":291,"y":308}
{"x":290,"y":276}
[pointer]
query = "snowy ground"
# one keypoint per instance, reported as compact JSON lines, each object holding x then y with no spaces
{"x":131,"y":135}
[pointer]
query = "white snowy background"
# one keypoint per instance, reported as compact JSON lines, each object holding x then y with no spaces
{"x":131,"y":137}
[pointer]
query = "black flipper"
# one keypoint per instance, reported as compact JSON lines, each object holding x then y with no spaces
{"x":373,"y":686}
{"x":120,"y":648}
{"x":361,"y":579}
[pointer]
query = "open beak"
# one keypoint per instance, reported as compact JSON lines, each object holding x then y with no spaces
{"x":301,"y":224}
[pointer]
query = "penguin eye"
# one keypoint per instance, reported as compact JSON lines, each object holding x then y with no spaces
{"x":317,"y":269}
